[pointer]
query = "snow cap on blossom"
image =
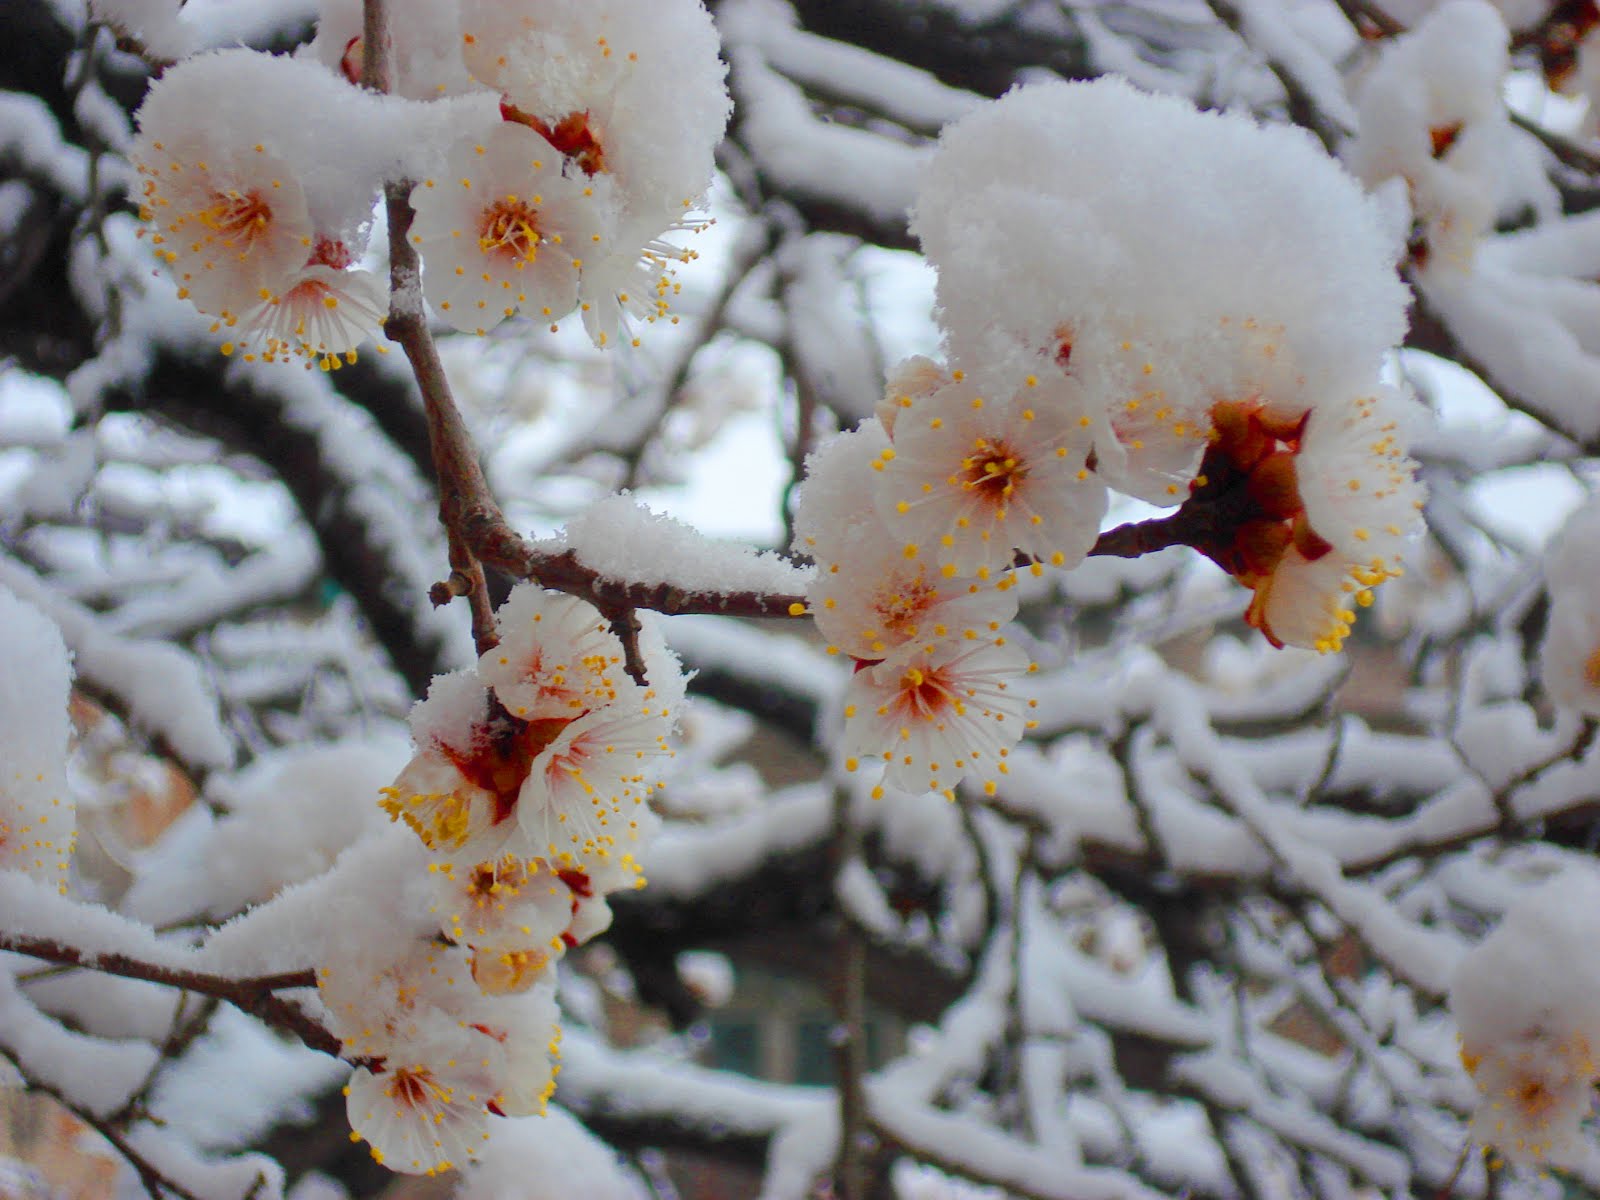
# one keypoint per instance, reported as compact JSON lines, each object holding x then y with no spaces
{"x":1431,"y":112}
{"x":502,"y":229}
{"x":631,"y":93}
{"x":258,"y":204}
{"x":1526,"y":1001}
{"x":632,"y":89}
{"x":36,"y":810}
{"x":836,"y":491}
{"x":1093,"y":275}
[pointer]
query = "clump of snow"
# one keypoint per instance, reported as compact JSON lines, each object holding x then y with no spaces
{"x":709,"y":975}
{"x":624,"y":541}
{"x":294,"y":813}
{"x":551,"y":1157}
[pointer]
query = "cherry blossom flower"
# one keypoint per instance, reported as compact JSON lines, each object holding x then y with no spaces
{"x":1524,"y":1001}
{"x":1537,"y":1092}
{"x":632,"y":89}
{"x":937,"y":713}
{"x":519,"y":1044}
{"x":257,"y":205}
{"x":631,"y":93}
{"x":377,"y":1002}
{"x":443,"y":1051}
{"x":459,"y":791}
{"x":503,"y":903}
{"x":1361,"y":500}
{"x":836,"y":494}
{"x":914,"y":378}
{"x":448,"y":809}
{"x":424,"y":1112}
{"x":974,"y":475}
{"x":556,"y":656}
{"x":1312,"y":513}
{"x":229,"y":222}
{"x":324,"y":311}
{"x":1569,"y":657}
{"x":1432,"y":114}
{"x":874,"y":599}
{"x":503,"y":229}
{"x":584,"y":793}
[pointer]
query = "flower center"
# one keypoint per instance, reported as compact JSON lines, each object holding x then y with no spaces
{"x":1533,"y":1098}
{"x":329,"y":252}
{"x":509,"y":971}
{"x":500,"y":765}
{"x":993,"y":470}
{"x":509,"y":230}
{"x":415,"y":1087}
{"x":923,"y":694}
{"x":1063,"y":347}
{"x":901,"y":608}
{"x":239,"y":219}
{"x":1591,"y":668}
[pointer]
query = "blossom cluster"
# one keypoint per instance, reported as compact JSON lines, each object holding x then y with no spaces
{"x":1524,"y":1000}
{"x":1432,"y":117}
{"x":528,"y":792}
{"x":1178,"y":345}
{"x":554,"y":146}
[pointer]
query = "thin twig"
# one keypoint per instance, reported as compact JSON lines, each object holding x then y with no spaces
{"x":1303,"y":107}
{"x":256,"y":995}
{"x":748,"y":254}
{"x":179,"y":1036}
{"x":150,"y":1176}
{"x":1565,"y":150}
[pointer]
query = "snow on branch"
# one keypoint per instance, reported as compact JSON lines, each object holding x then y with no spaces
{"x":159,"y":686}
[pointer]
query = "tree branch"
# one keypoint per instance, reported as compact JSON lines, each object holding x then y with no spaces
{"x":255,"y":995}
{"x":150,"y":1177}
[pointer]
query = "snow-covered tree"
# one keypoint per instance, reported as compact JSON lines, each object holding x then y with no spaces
{"x":1064,"y":525}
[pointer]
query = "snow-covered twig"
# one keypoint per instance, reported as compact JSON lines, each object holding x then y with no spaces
{"x":155,"y":1184}
{"x":255,"y":995}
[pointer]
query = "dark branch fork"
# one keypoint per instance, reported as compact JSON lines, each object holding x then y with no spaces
{"x":256,"y":995}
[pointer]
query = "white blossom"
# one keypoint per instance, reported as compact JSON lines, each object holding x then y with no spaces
{"x":502,"y":229}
